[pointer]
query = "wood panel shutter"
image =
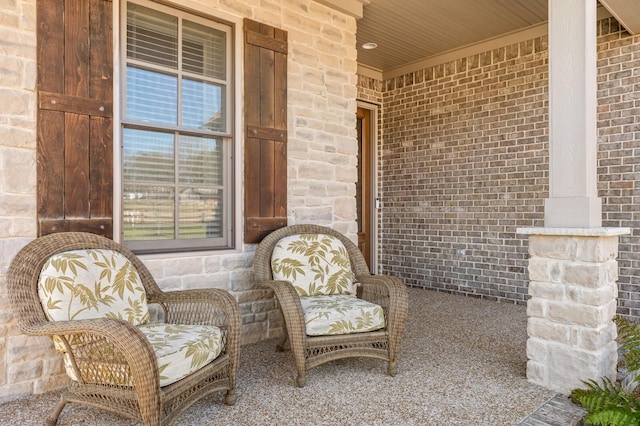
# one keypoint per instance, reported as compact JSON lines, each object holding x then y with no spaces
{"x":75,"y":110}
{"x":265,"y":117}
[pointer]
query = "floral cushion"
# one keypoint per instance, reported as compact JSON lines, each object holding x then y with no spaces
{"x":340,"y":314}
{"x":84,"y":284}
{"x":316,"y":264}
{"x":180,"y":350}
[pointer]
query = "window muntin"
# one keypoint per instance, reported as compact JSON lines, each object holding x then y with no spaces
{"x":176,"y":131}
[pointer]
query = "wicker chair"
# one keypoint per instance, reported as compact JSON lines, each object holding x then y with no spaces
{"x":111,"y":362}
{"x":312,"y":350}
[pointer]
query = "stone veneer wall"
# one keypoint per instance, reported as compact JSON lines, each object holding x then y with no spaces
{"x":322,"y":167}
{"x":464,"y":162}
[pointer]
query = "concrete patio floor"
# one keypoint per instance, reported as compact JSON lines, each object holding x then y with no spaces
{"x":462,"y":363}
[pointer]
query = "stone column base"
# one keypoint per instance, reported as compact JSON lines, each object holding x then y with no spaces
{"x":573,"y":273}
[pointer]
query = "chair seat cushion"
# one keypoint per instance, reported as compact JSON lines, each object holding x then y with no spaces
{"x":316,"y":264}
{"x":182,"y":349}
{"x":340,"y":314}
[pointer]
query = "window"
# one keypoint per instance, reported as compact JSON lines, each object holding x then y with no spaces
{"x":176,"y":130}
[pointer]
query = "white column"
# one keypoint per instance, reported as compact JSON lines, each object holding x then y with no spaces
{"x":573,"y":199}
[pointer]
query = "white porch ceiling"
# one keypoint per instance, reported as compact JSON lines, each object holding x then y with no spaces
{"x":410,"y":31}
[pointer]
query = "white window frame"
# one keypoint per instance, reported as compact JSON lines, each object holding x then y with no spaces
{"x":234,"y":236}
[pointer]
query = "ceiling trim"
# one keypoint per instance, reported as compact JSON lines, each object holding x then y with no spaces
{"x":518,"y":36}
{"x":627,"y":12}
{"x":352,"y":8}
{"x":369,"y":72}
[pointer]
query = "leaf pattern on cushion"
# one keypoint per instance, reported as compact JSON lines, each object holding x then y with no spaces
{"x":186,"y":348}
{"x":315,"y":264}
{"x":82,"y":284}
{"x":340,"y":314}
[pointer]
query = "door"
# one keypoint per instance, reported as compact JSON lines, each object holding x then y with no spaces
{"x":363,"y":184}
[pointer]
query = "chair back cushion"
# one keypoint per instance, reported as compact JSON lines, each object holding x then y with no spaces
{"x":316,"y":264}
{"x":84,"y":284}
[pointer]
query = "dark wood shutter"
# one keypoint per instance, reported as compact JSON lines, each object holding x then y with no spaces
{"x":75,"y":110}
{"x":265,"y":117}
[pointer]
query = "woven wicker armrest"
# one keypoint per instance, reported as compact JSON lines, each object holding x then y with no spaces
{"x":291,"y":308}
{"x":382,"y":289}
{"x":203,"y":306}
{"x":390,"y":293}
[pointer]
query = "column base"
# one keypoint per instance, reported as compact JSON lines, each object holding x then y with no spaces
{"x":573,"y":212}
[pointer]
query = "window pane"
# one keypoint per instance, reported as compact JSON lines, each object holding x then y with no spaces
{"x":200,"y":213}
{"x":148,"y":212}
{"x":152,"y":36}
{"x":203,"y":50}
{"x":148,"y":156}
{"x":151,"y":96}
{"x":203,"y":105}
{"x":200,"y":161}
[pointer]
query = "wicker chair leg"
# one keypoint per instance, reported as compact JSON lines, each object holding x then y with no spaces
{"x":52,"y":420}
{"x":283,"y":345}
{"x":392,"y":369}
{"x":301,"y":381}
{"x":230,"y":398}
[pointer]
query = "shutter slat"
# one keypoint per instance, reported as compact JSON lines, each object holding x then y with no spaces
{"x":50,"y":163}
{"x":76,"y":173}
{"x":266,"y":130}
{"x":260,"y":132}
{"x":74,"y":104}
{"x":50,"y":40}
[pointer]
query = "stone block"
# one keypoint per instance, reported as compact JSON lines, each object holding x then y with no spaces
{"x":540,"y":269}
{"x":21,"y":348}
{"x":253,"y":332}
{"x":24,"y":371}
{"x":581,"y":315}
{"x":549,"y":246}
{"x":591,"y":296}
{"x":241,"y":280}
{"x":596,"y":249}
{"x":537,"y":349}
{"x":593,"y":339}
{"x":183,"y":266}
{"x":53,"y":366}
{"x":48,"y":384}
{"x":13,"y":391}
{"x":549,"y":331}
{"x":585,"y":274}
{"x":569,"y":367}
{"x":537,"y":373}
{"x":536,"y":308}
{"x":548,"y":290}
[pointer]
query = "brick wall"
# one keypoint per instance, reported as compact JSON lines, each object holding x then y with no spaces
{"x":618,"y":155}
{"x":464,"y":163}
